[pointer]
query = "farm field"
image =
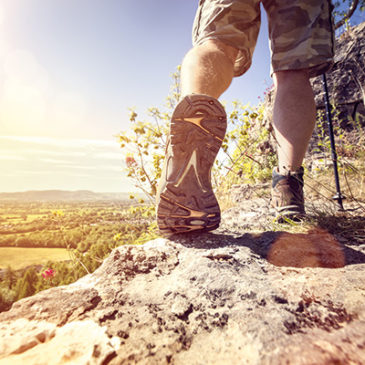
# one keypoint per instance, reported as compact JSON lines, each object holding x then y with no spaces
{"x":32,"y":233}
{"x":21,"y":257}
{"x":58,"y":224}
{"x":70,"y":237}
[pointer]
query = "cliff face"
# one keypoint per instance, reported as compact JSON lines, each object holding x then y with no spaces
{"x":346,"y":80}
{"x":217,"y":298}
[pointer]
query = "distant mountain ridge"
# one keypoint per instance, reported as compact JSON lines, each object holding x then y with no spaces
{"x":62,"y":195}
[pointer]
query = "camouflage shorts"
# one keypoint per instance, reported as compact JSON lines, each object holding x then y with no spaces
{"x":300,"y":31}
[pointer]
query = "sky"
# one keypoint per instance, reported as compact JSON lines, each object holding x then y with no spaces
{"x":70,"y":70}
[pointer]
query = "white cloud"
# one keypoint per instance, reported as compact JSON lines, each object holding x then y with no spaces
{"x":109,"y":155}
{"x":60,"y":153}
{"x":62,"y":142}
{"x":56,"y":161}
{"x":12,"y":157}
{"x":91,"y":168}
{"x":40,"y":162}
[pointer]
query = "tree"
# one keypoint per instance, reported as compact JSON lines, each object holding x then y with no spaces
{"x":144,"y":144}
{"x":7,"y":298}
{"x":26,"y":286}
{"x":345,"y":12}
{"x":10,"y":277}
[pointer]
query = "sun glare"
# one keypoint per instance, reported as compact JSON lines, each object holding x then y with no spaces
{"x":1,"y":15}
{"x":22,"y":99}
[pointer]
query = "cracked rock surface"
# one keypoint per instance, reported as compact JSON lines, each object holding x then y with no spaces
{"x":216,"y":298}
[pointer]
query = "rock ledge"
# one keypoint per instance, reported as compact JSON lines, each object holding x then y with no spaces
{"x":217,"y":298}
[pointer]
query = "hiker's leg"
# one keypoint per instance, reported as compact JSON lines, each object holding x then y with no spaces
{"x":294,"y":117}
{"x":208,"y":69}
{"x":185,"y":197}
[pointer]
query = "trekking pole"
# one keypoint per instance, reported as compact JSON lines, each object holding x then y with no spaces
{"x":338,"y":197}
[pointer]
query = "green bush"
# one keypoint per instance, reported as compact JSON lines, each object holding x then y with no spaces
{"x":246,"y":155}
{"x":7,"y":298}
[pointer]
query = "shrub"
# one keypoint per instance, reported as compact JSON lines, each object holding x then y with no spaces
{"x":246,"y":154}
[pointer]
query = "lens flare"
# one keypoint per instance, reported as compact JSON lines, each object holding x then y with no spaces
{"x":317,"y":248}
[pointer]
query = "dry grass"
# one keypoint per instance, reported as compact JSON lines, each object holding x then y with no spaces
{"x":322,"y":210}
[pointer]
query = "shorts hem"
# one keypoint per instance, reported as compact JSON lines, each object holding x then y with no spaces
{"x":314,"y":70}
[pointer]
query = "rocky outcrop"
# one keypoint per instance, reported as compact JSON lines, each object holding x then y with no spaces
{"x":346,"y":80}
{"x":346,"y":89}
{"x":217,"y":298}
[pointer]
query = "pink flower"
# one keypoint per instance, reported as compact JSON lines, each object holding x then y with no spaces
{"x":130,"y":161}
{"x":48,"y":274}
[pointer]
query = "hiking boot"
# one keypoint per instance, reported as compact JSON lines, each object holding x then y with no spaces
{"x":185,"y":198}
{"x":287,"y":195}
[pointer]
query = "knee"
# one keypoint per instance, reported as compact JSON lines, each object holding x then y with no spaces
{"x":295,"y":82}
{"x":212,"y":48}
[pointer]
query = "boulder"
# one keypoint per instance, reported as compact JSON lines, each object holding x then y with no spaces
{"x":215,"y":298}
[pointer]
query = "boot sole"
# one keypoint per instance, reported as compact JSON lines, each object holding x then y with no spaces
{"x":187,"y":202}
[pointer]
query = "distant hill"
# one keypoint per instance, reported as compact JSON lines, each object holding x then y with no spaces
{"x":63,"y":195}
